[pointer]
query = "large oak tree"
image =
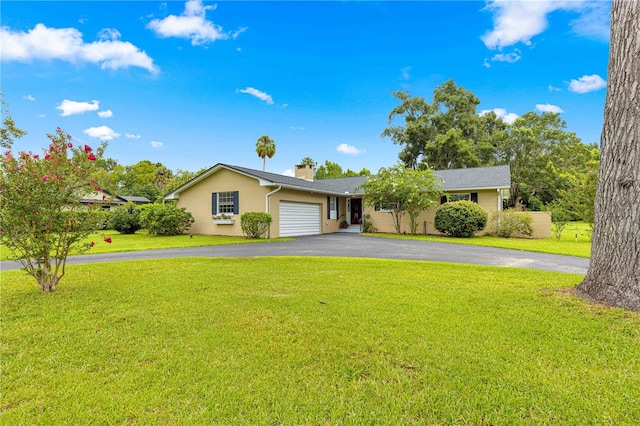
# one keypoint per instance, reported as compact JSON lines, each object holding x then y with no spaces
{"x":613,"y":277}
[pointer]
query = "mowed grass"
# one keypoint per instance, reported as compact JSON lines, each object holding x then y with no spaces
{"x":575,"y":241}
{"x":141,"y":240}
{"x":313,"y":341}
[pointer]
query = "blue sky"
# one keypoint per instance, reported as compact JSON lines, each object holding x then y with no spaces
{"x":191,"y":84}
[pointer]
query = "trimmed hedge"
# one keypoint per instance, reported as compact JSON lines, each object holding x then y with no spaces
{"x":125,"y":219}
{"x":255,"y":224}
{"x":165,"y":219}
{"x":460,"y":218}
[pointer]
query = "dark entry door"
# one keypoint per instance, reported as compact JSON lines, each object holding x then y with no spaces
{"x":356,"y":211}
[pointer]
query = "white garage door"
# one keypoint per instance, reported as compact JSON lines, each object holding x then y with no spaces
{"x":299,"y":219}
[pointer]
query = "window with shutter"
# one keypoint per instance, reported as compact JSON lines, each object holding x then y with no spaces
{"x":225,"y":203}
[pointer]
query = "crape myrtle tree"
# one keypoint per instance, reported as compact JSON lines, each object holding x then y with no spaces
{"x":401,"y":190}
{"x":42,"y":217}
{"x":613,"y":277}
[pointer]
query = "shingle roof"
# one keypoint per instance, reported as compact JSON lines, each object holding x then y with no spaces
{"x":475,"y":178}
{"x":136,"y":199}
{"x":454,"y":179}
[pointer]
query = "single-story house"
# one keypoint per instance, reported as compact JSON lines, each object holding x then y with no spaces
{"x":301,"y":205}
{"x":108,"y":201}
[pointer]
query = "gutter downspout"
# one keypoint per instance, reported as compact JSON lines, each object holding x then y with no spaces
{"x":266,"y":200}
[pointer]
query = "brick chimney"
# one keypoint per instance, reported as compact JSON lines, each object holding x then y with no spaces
{"x":304,"y":171}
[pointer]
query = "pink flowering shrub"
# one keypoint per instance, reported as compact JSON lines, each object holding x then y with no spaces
{"x":42,"y":215}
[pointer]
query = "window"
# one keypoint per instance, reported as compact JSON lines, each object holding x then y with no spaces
{"x":224,"y":203}
{"x":384,"y":208}
{"x":332,"y":208}
{"x":460,"y":197}
{"x":465,"y":196}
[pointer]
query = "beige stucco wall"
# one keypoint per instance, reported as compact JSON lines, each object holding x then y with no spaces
{"x":541,"y":224}
{"x":251,"y":198}
{"x":487,"y":199}
{"x":197,"y":200}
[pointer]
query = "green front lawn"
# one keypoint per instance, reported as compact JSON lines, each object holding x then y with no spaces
{"x":141,"y":240}
{"x":575,"y":241}
{"x":313,"y":341}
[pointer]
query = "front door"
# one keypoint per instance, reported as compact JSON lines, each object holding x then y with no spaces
{"x":355,"y":211}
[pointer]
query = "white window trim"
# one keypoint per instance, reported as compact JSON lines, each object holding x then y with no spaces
{"x":227,"y":204}
{"x":333,"y":208}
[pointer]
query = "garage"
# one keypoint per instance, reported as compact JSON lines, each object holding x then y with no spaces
{"x":298,"y":219}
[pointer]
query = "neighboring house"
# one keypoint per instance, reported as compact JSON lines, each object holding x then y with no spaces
{"x":301,"y":206}
{"x":109,"y":201}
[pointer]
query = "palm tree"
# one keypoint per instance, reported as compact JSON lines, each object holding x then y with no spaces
{"x":161,"y":175}
{"x":265,"y":147}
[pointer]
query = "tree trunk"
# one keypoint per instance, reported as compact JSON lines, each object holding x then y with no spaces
{"x":613,"y":277}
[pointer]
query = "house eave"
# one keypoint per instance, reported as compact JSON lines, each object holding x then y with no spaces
{"x":305,"y":189}
{"x":484,"y":188}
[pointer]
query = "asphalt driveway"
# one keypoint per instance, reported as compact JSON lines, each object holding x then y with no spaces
{"x":355,"y":245}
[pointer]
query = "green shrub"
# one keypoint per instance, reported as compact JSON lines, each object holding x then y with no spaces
{"x":125,"y":219}
{"x":165,"y":219}
{"x":255,"y":224}
{"x":103,"y":219}
{"x":367,"y":225}
{"x":460,"y":218}
{"x":508,"y":223}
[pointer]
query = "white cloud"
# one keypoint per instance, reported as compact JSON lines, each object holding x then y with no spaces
{"x":131,"y":136}
{"x":42,"y":115}
{"x":510,"y":58}
{"x":72,"y":107}
{"x":258,"y":94}
{"x":103,"y":132}
{"x":549,"y":108}
{"x":109,"y":34}
{"x":508,"y":117}
{"x":29,"y":98}
{"x":66,"y":44}
{"x":105,"y":114}
{"x":552,"y":88}
{"x":289,"y":172}
{"x":349,"y":149}
{"x":587,"y":83}
{"x":234,"y":34}
{"x":156,"y":144}
{"x":297,"y":128}
{"x":594,"y":21}
{"x":519,"y":21}
{"x":192,"y":24}
{"x":486,"y":63}
{"x":405,"y":73}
